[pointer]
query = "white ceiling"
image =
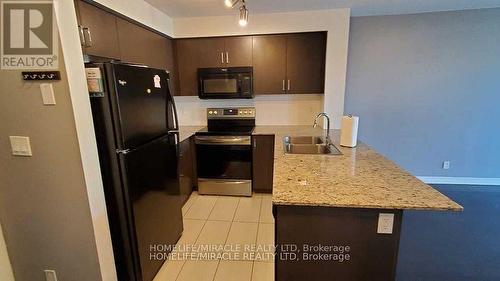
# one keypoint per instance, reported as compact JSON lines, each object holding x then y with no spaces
{"x":197,"y":8}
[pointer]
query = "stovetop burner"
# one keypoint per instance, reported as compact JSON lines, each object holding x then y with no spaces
{"x":234,"y":131}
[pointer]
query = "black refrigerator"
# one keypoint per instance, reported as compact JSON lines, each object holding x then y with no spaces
{"x":136,"y":129}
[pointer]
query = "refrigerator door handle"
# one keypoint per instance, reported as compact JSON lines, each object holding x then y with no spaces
{"x":171,"y":102}
{"x":176,"y":138}
{"x":122,"y":151}
{"x":176,"y":143}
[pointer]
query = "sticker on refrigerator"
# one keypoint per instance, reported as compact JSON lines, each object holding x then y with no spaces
{"x":94,"y":81}
{"x":157,"y":80}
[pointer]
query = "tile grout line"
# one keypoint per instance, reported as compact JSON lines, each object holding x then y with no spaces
{"x":211,"y":210}
{"x":227,"y":236}
{"x":184,"y":262}
{"x":189,"y":208}
{"x":213,"y":207}
{"x":197,"y":236}
{"x":256,"y":236}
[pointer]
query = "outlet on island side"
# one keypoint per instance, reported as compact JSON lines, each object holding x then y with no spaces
{"x":446,"y":165}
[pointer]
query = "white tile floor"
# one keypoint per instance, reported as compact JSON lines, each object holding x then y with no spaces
{"x":229,"y":221}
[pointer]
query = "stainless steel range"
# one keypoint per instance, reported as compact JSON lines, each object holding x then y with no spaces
{"x":224,"y":152}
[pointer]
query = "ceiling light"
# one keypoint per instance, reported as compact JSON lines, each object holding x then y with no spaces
{"x":243,"y":16}
{"x":230,"y":3}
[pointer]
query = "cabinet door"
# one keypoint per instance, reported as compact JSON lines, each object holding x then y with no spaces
{"x":193,"y":54}
{"x":186,"y":169}
{"x":144,"y":47}
{"x":103,"y":39}
{"x":269,"y":64}
{"x":238,"y":51}
{"x":263,"y":163}
{"x":171,"y":66}
{"x":306,"y":63}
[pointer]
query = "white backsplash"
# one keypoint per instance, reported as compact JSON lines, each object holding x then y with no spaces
{"x":270,"y":109}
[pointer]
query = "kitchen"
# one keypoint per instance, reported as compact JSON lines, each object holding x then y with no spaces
{"x":243,"y":144}
{"x":232,"y":156}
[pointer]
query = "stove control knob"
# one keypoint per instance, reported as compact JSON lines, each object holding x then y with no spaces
{"x":249,"y":112}
{"x":245,"y":112}
{"x":215,"y":112}
{"x":210,"y":112}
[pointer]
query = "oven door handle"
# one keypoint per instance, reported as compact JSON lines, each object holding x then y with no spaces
{"x":222,"y":140}
{"x":221,"y":181}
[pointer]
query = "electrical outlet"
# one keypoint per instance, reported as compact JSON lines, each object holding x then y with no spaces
{"x":50,"y":275}
{"x":446,"y":165}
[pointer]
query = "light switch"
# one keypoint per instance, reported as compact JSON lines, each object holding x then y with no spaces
{"x":50,"y":275}
{"x":20,"y":146}
{"x":385,"y":223}
{"x":48,"y":97}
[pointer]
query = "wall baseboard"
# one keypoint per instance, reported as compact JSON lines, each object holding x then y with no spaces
{"x":459,"y":180}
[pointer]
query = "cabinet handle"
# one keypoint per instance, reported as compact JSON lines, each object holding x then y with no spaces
{"x":288,"y":85}
{"x":87,"y":37}
{"x":82,"y":37}
{"x":283,"y":84}
{"x":227,"y":57}
{"x":222,"y":57}
{"x":254,"y":144}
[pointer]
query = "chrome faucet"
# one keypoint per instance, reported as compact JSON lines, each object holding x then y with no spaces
{"x":323,"y":114}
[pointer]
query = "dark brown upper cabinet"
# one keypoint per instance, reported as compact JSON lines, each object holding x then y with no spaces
{"x":238,"y":51}
{"x":193,"y":54}
{"x":98,"y":31}
{"x":171,"y":65}
{"x":269,"y":64}
{"x":291,"y":63}
{"x":283,"y":63}
{"x":141,"y":46}
{"x":209,"y":52}
{"x":305,"y":63}
{"x":146,"y":47}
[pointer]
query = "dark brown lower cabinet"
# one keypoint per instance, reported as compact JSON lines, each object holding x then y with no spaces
{"x":186,"y":169}
{"x":322,"y":243}
{"x":262,"y":163}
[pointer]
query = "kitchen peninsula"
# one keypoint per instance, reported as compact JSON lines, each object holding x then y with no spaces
{"x":353,"y":202}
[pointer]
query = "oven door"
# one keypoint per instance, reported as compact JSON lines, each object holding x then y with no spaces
{"x":214,"y":83}
{"x":224,"y":165}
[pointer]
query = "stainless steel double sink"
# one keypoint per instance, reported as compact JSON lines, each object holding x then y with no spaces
{"x":309,"y":145}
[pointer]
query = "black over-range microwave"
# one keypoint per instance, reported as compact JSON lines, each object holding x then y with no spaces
{"x":225,"y":83}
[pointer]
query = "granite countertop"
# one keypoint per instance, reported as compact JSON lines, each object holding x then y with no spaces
{"x":359,"y":178}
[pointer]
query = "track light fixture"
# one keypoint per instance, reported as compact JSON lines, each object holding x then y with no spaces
{"x":243,"y":10}
{"x":231,"y":3}
{"x":243,"y":16}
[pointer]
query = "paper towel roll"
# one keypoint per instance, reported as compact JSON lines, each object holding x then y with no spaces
{"x":349,"y":131}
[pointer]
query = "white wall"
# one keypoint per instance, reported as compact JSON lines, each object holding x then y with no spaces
{"x":146,"y":14}
{"x":142,"y":12}
{"x":5,"y":267}
{"x":271,"y":109}
{"x":70,"y":43}
{"x":336,"y":22}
